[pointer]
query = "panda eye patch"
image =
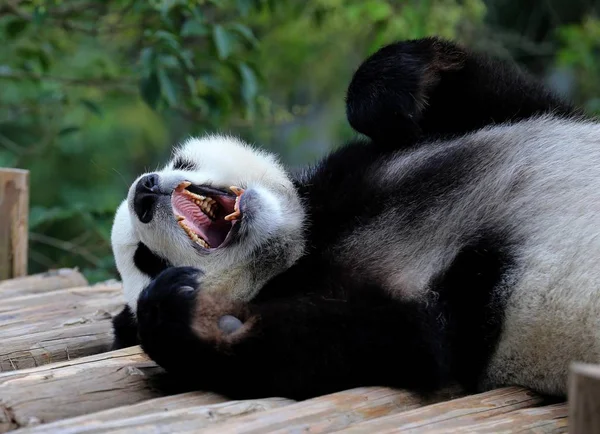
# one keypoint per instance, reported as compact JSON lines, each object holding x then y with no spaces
{"x":183,"y":164}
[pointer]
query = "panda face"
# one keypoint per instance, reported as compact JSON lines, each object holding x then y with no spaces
{"x":219,"y":205}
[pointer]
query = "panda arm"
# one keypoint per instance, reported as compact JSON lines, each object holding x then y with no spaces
{"x":296,"y":347}
{"x":429,"y":86}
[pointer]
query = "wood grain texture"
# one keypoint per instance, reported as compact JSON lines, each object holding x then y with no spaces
{"x":451,"y":414}
{"x":73,"y":388}
{"x":584,"y":398}
{"x":188,"y":412}
{"x":58,"y":309}
{"x":43,"y":282}
{"x":548,"y":419}
{"x":56,"y":345}
{"x":58,"y":325}
{"x":14,"y":209}
{"x":323,"y":414}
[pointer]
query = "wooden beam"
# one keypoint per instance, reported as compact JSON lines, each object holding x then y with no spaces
{"x":324,"y":414}
{"x":77,"y":387}
{"x":58,"y":309}
{"x":44,"y":347}
{"x":14,"y":209}
{"x":547,"y":419}
{"x":584,"y":398}
{"x":447,"y":416}
{"x":57,"y":325}
{"x":43,"y":282}
{"x":187,"y":412}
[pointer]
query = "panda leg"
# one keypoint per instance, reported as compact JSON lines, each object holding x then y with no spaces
{"x":298,"y":347}
{"x":430,"y":86}
{"x":124,"y":329}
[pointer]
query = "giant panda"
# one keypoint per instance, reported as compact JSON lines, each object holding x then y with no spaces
{"x":455,"y":244}
{"x":154,"y":226}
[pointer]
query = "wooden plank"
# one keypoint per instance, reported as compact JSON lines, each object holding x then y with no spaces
{"x":179,"y":413}
{"x":57,"y":325}
{"x":56,"y":345}
{"x":584,"y":398}
{"x":77,"y":387}
{"x":14,"y":209}
{"x":323,"y":414}
{"x":43,"y":282}
{"x":30,"y":314}
{"x":548,"y":419}
{"x":451,"y":414}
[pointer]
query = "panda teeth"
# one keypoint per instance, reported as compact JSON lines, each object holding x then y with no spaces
{"x":193,"y":236}
{"x":207,"y":207}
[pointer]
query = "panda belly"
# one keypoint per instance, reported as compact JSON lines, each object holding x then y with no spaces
{"x":552,"y":316}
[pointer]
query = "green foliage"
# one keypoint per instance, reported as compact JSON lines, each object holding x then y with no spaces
{"x":579,"y":54}
{"x":92,"y":93}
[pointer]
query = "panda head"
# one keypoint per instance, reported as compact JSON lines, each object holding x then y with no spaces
{"x":187,"y":214}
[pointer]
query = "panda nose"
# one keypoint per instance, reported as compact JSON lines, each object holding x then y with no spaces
{"x":145,"y":197}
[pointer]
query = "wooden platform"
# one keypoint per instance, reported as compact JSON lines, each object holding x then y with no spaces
{"x":56,"y":376}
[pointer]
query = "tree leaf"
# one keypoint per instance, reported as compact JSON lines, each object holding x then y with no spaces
{"x":249,"y":82}
{"x":68,"y":130}
{"x":194,"y":27}
{"x":147,"y":58}
{"x":167,"y":89}
{"x":244,"y":6}
{"x":246,"y":33}
{"x":222,"y":41}
{"x":168,"y":38}
{"x":150,"y":89}
{"x":15,"y":27}
{"x":91,"y":106}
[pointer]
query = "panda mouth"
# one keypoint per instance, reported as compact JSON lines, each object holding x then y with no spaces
{"x":207,"y":215}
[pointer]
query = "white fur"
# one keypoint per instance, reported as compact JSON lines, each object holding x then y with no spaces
{"x":221,"y":162}
{"x":539,"y":181}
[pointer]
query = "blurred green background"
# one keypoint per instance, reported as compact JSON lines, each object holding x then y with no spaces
{"x":94,"y":92}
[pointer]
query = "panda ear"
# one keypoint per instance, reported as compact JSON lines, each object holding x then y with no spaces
{"x":390,"y":90}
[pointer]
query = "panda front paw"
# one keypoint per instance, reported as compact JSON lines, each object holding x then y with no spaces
{"x":179,"y":325}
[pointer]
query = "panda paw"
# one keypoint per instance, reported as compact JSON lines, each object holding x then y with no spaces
{"x":391,"y":104}
{"x":175,"y":314}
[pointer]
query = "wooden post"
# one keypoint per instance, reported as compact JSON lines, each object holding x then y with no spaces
{"x":584,"y":399}
{"x":14,"y":208}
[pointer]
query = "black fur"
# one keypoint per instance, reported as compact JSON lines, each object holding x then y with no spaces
{"x":431,"y":87}
{"x":125,"y":329}
{"x":323,"y":325}
{"x":148,"y":262}
{"x":125,"y":324}
{"x":182,"y":164}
